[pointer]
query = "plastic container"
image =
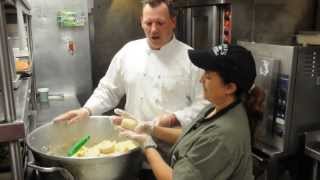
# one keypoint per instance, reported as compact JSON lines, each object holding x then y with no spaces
{"x":43,"y":95}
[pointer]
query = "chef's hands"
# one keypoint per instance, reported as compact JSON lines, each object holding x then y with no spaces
{"x":73,"y":116}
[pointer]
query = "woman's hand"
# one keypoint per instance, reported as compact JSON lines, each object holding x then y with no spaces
{"x":166,"y":120}
{"x":143,"y":139}
{"x":145,"y":127}
{"x":116,"y":120}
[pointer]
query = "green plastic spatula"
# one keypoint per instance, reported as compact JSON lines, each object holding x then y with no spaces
{"x":77,"y":145}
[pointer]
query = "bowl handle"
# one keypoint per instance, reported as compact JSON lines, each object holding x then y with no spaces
{"x":64,"y":172}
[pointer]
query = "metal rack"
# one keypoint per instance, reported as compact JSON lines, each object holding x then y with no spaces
{"x":15,"y":103}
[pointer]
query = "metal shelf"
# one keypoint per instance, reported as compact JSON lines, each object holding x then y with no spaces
{"x":25,"y":6}
{"x":12,"y":131}
{"x":15,"y":103}
{"x":21,"y":96}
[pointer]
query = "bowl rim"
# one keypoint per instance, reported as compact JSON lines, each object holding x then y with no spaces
{"x":66,"y":158}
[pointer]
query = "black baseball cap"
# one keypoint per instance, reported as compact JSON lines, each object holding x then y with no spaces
{"x":233,"y":61}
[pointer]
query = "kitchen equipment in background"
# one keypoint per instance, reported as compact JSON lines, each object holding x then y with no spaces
{"x":203,"y":24}
{"x":15,"y":77}
{"x":308,"y":38}
{"x":49,"y":140}
{"x":70,"y":19}
{"x":296,"y":107}
{"x":43,"y":95}
{"x":267,"y":69}
{"x":23,"y":66}
{"x":18,"y":42}
{"x":312,"y":150}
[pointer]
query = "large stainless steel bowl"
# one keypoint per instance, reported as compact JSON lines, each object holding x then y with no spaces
{"x":49,"y":144}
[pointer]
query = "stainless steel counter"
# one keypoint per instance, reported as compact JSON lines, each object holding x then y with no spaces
{"x":55,"y":107}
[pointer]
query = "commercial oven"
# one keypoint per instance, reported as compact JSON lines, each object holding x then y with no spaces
{"x":292,"y":103}
{"x":204,"y":23}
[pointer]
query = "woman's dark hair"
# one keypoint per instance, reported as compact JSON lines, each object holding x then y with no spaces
{"x":253,"y":103}
{"x":252,"y":100}
{"x":155,"y":3}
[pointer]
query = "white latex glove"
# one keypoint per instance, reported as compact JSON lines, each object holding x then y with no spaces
{"x":126,"y":120}
{"x":73,"y":116}
{"x":145,"y":127}
{"x":166,"y":120}
{"x":143,"y":139}
{"x":124,"y":114}
{"x":140,"y":127}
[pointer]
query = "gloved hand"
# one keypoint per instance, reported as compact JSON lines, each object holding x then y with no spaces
{"x":126,"y":120}
{"x":166,"y":120}
{"x":73,"y":116}
{"x":124,"y":114}
{"x":138,"y":126}
{"x":145,"y":127}
{"x":143,"y":139}
{"x":116,"y":120}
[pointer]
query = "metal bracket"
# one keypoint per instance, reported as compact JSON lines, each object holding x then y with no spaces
{"x":12,"y":131}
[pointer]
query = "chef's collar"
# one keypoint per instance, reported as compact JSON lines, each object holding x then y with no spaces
{"x":168,"y":46}
{"x":219,"y":113}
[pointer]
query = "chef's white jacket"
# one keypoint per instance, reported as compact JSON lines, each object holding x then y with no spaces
{"x":154,"y":82}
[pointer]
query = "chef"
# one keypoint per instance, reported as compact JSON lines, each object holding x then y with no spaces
{"x":217,"y":144}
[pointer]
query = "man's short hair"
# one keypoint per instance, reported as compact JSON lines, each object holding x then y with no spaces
{"x":155,"y":3}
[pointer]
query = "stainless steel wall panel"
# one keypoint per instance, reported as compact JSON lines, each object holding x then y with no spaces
{"x":56,"y":68}
{"x":282,"y":52}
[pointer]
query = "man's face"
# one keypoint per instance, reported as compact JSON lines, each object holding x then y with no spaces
{"x":157,"y":25}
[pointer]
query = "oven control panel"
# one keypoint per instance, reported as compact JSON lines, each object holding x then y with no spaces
{"x":281,"y":103}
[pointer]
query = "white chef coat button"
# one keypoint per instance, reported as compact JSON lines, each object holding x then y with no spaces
{"x":157,"y":101}
{"x":144,"y":74}
{"x":159,"y":76}
{"x":141,"y":98}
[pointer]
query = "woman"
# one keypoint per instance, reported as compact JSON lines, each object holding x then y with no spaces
{"x":218,"y":144}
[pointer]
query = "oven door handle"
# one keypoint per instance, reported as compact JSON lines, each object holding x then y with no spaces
{"x":64,"y":172}
{"x":255,"y":156}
